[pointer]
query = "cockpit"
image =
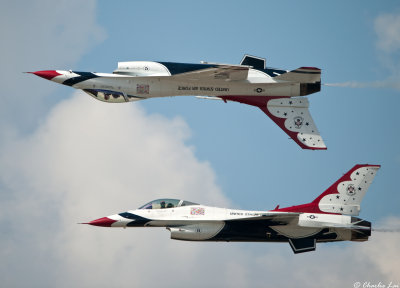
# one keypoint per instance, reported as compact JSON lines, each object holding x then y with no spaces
{"x":167,"y":203}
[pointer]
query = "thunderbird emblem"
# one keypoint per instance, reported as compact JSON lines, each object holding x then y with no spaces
{"x":351,"y":190}
{"x":298,"y":122}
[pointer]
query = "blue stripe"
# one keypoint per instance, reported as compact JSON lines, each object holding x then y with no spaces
{"x":178,"y":68}
{"x":83,"y":76}
{"x":137,"y":220}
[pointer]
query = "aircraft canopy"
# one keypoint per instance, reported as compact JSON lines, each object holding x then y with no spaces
{"x":167,"y":203}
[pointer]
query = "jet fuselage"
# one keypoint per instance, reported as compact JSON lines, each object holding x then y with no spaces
{"x":330,"y":217}
{"x":274,"y":91}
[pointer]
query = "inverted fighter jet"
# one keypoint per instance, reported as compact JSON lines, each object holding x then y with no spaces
{"x":274,"y":91}
{"x":330,"y":217}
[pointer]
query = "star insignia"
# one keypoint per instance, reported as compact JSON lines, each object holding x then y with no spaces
{"x":359,"y":188}
{"x":337,"y":196}
{"x":358,"y":173}
{"x":307,"y":124}
{"x":341,"y":208}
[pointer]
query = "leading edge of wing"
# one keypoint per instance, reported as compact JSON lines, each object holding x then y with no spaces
{"x":221,"y":72}
{"x":275,"y":218}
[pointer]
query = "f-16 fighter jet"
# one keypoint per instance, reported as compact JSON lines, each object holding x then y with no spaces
{"x":330,"y":217}
{"x":251,"y":82}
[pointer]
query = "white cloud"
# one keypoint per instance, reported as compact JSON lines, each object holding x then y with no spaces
{"x":43,"y":35}
{"x":387,"y":28}
{"x":90,"y":159}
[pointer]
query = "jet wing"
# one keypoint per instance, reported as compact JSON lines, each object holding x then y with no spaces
{"x":272,"y":218}
{"x":221,"y":72}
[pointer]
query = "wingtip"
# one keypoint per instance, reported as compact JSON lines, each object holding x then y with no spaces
{"x":369,"y":165}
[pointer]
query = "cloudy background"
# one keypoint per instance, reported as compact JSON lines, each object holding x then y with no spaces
{"x":66,"y":158}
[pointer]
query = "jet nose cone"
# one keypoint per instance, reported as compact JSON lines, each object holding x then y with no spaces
{"x":104,"y":222}
{"x":46,"y":74}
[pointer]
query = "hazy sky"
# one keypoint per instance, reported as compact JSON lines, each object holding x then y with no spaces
{"x":66,"y":158}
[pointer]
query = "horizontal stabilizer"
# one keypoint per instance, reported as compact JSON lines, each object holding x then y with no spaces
{"x":301,"y":75}
{"x":301,"y":245}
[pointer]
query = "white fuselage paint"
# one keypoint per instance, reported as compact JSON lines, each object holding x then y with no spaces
{"x":257,"y":84}
{"x":167,"y":86}
{"x":187,"y":214}
{"x":210,"y":220}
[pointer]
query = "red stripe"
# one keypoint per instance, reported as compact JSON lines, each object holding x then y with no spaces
{"x":47,"y":74}
{"x":104,"y":222}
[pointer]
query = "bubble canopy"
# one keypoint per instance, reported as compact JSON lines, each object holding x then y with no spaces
{"x":167,"y":203}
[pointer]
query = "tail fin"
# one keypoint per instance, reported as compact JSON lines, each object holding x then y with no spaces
{"x":301,"y":75}
{"x":344,"y":196}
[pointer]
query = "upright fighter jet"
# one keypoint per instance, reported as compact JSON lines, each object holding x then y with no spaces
{"x":274,"y":91}
{"x":330,"y":217}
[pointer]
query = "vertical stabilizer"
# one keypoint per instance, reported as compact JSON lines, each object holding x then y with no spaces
{"x":344,"y":196}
